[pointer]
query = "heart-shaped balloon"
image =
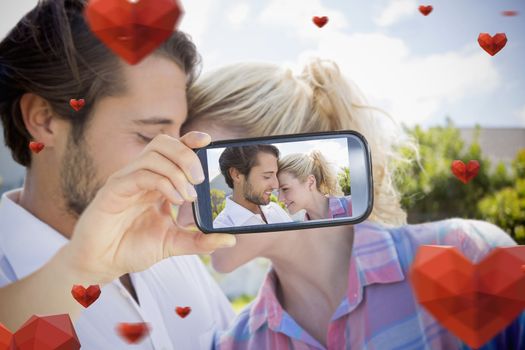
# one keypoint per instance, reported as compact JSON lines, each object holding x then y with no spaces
{"x":54,"y":332}
{"x":36,"y":147}
{"x":475,"y":302}
{"x":77,"y":105}
{"x":463,"y":172}
{"x":6,"y":339}
{"x":509,"y":13}
{"x":85,"y":296}
{"x":133,"y":29}
{"x":425,"y":10}
{"x":492,"y":44}
{"x":133,"y":333}
{"x":183,"y":311}
{"x":320,"y":21}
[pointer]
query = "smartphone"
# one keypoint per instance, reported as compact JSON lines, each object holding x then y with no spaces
{"x":284,"y":182}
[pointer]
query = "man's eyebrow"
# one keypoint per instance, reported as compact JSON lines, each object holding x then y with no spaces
{"x":154,"y":121}
{"x":271,"y":172}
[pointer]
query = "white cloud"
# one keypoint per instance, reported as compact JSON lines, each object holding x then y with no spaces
{"x":196,"y":19}
{"x":297,"y":15}
{"x":411,"y":88}
{"x":238,"y":13}
{"x":395,"y":11}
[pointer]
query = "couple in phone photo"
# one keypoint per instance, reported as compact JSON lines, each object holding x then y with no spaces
{"x":307,"y":185}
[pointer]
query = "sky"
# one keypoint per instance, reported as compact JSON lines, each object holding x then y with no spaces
{"x":420,"y":69}
{"x":334,"y":150}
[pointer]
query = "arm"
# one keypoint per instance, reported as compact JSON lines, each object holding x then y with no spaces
{"x":127,"y":227}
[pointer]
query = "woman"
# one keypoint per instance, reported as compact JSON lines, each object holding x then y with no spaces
{"x":337,"y":287}
{"x":306,"y":182}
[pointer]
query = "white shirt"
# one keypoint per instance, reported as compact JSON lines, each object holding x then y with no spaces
{"x":235,"y":214}
{"x":26,"y":243}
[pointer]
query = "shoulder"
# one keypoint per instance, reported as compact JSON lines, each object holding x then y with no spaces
{"x":238,"y":332}
{"x":474,"y":238}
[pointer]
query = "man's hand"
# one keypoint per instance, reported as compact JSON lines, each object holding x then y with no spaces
{"x":128,"y":226}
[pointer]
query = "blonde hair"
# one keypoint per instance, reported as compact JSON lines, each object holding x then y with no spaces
{"x":261,"y":99}
{"x":301,"y":165}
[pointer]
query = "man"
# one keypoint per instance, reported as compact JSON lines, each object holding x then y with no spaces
{"x":251,"y":171}
{"x":119,"y":163}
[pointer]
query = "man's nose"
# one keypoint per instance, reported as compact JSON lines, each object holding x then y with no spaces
{"x":275,"y":183}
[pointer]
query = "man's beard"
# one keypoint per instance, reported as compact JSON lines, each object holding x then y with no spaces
{"x":78,"y":181}
{"x":251,"y":195}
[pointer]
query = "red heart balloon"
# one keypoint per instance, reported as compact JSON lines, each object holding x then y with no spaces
{"x":36,"y":147}
{"x":183,"y":311}
{"x":492,"y":44}
{"x":320,"y":21}
{"x":425,"y":10}
{"x":84,"y":296}
{"x":77,"y":105}
{"x":133,"y":29}
{"x":463,"y":172}
{"x":54,"y":332}
{"x":133,"y":332}
{"x":509,"y":13}
{"x":475,"y":302}
{"x":6,"y":339}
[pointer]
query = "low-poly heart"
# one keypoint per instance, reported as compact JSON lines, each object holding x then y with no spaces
{"x":475,"y":302}
{"x":492,"y":44}
{"x":425,"y":10}
{"x":133,"y":29}
{"x":55,"y":332}
{"x":77,"y":105}
{"x":463,"y":172}
{"x":36,"y":147}
{"x":320,"y":21}
{"x":84,"y":296}
{"x":6,"y":339}
{"x":183,"y":311}
{"x":133,"y":333}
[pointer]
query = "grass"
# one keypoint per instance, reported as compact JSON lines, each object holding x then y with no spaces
{"x":240,"y":303}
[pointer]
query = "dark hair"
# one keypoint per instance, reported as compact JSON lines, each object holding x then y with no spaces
{"x":243,"y":159}
{"x":52,"y":53}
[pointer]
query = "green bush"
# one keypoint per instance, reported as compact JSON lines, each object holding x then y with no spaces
{"x":431,"y":192}
{"x":506,"y":208}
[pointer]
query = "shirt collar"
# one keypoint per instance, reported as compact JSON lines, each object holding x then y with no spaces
{"x":27,"y":242}
{"x":238,"y":214}
{"x":374,"y":260}
{"x":334,"y":204}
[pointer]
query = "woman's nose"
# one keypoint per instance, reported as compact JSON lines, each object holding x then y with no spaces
{"x":281,"y":196}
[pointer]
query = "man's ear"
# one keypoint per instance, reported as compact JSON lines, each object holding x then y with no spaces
{"x":235,"y":175}
{"x":38,"y":119}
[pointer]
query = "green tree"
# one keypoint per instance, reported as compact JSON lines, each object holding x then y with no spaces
{"x":343,"y":178}
{"x":506,"y":208}
{"x":218,"y":201}
{"x":432,"y":192}
{"x":274,"y":198}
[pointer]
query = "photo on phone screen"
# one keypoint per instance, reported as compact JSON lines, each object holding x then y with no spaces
{"x":282,"y":186}
{"x":284,"y":182}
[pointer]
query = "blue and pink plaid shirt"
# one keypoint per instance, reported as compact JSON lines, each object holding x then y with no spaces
{"x":339,"y":207}
{"x":380,"y":311}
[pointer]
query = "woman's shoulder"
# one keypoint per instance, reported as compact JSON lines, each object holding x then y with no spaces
{"x":240,"y":332}
{"x":474,"y":238}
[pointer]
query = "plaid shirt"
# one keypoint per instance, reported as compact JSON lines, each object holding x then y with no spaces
{"x":339,"y":207}
{"x":380,"y":311}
